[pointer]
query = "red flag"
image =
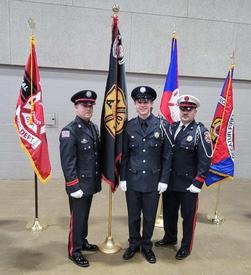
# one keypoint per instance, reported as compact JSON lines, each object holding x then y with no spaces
{"x":222,"y":135}
{"x":29,"y":118}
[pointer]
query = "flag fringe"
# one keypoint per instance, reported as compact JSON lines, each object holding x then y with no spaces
{"x":44,"y":181}
{"x":218,"y":182}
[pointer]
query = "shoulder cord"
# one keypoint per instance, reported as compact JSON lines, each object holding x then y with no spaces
{"x":163,"y":129}
{"x":198,"y":132}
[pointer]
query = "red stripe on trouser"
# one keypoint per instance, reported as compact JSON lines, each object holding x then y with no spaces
{"x":70,"y":235}
{"x":194,"y":223}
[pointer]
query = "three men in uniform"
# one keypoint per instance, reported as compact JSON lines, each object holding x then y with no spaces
{"x":156,"y":158}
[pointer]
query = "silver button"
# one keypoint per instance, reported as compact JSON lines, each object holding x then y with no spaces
{"x":132,"y":136}
{"x":96,"y":173}
{"x":187,"y":148}
{"x":144,"y":150}
{"x":144,"y":172}
{"x":83,"y":176}
{"x":79,"y":126}
{"x":89,"y":147}
{"x":144,"y":139}
{"x":144,"y":160}
{"x":96,"y":162}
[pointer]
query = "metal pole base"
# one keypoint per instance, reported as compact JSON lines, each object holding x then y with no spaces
{"x":109,"y":247}
{"x":216,"y":219}
{"x":35,"y":226}
{"x":159,"y":222}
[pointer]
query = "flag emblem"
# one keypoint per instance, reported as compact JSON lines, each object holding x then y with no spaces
{"x":115,"y":111}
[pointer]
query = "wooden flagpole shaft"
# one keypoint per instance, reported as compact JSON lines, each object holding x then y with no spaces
{"x":216,"y":219}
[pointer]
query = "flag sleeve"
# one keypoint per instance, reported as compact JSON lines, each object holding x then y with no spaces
{"x":68,"y":155}
{"x":204,"y":152}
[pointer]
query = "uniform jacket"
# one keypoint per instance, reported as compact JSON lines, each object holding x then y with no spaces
{"x":80,"y":154}
{"x":191,"y":161}
{"x":146,"y":156}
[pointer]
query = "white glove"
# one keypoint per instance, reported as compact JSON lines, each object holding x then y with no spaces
{"x":77,"y":195}
{"x":122,"y":185}
{"x":193,"y":189}
{"x":162,"y":187}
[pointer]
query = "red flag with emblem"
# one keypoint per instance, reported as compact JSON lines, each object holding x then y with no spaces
{"x":29,"y":118}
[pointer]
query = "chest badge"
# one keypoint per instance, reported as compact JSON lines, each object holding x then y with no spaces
{"x":189,"y":138}
{"x":84,"y":141}
{"x":156,"y":134}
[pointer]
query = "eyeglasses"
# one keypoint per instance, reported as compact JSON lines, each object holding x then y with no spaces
{"x":186,"y":108}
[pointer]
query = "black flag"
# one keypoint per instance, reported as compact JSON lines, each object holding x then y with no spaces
{"x":114,"y":112}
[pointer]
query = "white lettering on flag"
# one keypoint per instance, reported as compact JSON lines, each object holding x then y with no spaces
{"x":24,"y":134}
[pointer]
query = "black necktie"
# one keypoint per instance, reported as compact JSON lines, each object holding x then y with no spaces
{"x":144,"y":125}
{"x":179,"y":135}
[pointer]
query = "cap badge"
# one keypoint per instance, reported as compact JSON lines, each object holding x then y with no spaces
{"x":186,"y":98}
{"x":156,"y":134}
{"x":142,"y":90}
{"x":88,"y":93}
{"x":189,"y":138}
{"x":84,"y":141}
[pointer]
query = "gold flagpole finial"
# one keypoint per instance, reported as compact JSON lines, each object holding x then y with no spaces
{"x":115,"y":9}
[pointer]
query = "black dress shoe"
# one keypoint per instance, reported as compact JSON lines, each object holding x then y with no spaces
{"x":89,"y":247}
{"x":129,"y":253}
{"x":165,"y":243}
{"x":79,"y":260}
{"x":182,"y":254}
{"x":149,"y":255}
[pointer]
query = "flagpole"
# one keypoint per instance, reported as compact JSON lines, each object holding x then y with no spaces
{"x":159,"y":222}
{"x":35,"y":226}
{"x":216,"y":219}
{"x":109,"y":246}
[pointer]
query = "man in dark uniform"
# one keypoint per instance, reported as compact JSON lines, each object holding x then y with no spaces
{"x":145,"y":152}
{"x":79,"y":152}
{"x":190,"y":165}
